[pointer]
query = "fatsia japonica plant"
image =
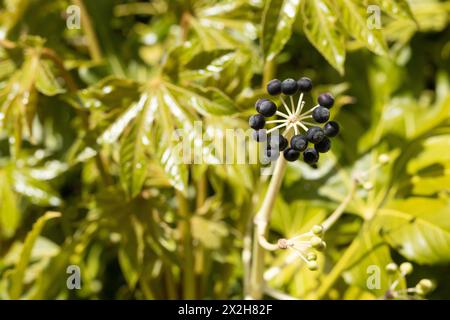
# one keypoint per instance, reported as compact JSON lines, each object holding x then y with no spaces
{"x":113,"y":115}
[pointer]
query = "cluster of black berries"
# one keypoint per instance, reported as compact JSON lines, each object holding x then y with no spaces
{"x":296,"y":121}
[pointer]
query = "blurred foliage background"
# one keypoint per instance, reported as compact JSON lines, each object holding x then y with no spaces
{"x":89,"y":173}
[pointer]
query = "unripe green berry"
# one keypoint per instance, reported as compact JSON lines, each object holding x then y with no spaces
{"x":317,"y":230}
{"x":311,"y":256}
{"x":312,"y":265}
{"x":425,"y":286}
{"x":406,"y":268}
{"x":315,"y":241}
{"x":391,"y":268}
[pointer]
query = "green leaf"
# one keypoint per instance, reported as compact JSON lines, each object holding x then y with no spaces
{"x":204,"y":100}
{"x":208,"y":232}
{"x":133,"y":159}
{"x":395,"y":8}
{"x":369,"y":256}
{"x":46,"y":82}
{"x":353,"y":18}
{"x":38,"y":192}
{"x":278,"y":19}
{"x":9,"y":212}
{"x":419,"y":228}
{"x":17,"y":280}
{"x":320,"y":24}
{"x":131,"y":250}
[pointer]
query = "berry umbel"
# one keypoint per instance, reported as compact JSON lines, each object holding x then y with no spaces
{"x":299,"y":130}
{"x":306,"y":245}
{"x":397,"y":275}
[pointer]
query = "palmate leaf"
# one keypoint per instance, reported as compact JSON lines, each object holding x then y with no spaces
{"x":418,"y":227}
{"x":17,"y":280}
{"x":19,"y":95}
{"x":321,"y":29}
{"x":353,"y":17}
{"x":277,"y":22}
{"x":147,"y":128}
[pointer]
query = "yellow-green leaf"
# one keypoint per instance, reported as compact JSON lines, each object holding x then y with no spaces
{"x":17,"y":280}
{"x":278,"y":19}
{"x":320,"y":24}
{"x":353,"y":18}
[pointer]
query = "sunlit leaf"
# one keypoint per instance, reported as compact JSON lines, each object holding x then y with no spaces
{"x":419,"y":228}
{"x":278,"y":19}
{"x":320,"y":26}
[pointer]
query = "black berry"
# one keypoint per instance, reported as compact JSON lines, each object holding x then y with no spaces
{"x":291,"y":154}
{"x":257,"y":121}
{"x":299,"y":142}
{"x":304,"y":84}
{"x":272,"y":154}
{"x":310,"y":156}
{"x":289,"y":87}
{"x":267,"y":108}
{"x":331,"y":129}
{"x":277,"y":141}
{"x":260,"y":135}
{"x":326,"y":100}
{"x":321,"y":114}
{"x":274,"y":87}
{"x":315,"y":134}
{"x":258,"y":103}
{"x":323,"y":146}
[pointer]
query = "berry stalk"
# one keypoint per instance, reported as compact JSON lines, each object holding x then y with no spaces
{"x":261,"y":222}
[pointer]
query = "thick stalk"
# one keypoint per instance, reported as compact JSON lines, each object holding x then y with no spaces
{"x":269,"y":72}
{"x":188,"y":272}
{"x":261,"y":222}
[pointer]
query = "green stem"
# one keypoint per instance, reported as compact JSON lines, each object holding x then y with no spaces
{"x":93,"y":45}
{"x":331,"y":278}
{"x":269,"y":72}
{"x":188,"y":272}
{"x":261,"y":222}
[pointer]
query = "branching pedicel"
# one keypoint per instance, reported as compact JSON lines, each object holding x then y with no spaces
{"x":396,"y":273}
